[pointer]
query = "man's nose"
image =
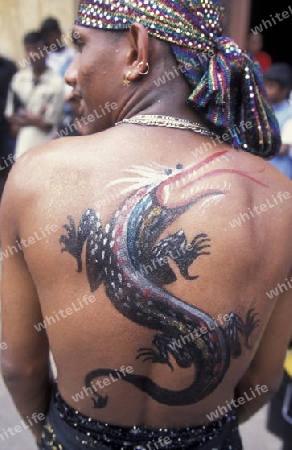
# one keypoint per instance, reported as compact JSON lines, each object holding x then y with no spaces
{"x":71,"y":74}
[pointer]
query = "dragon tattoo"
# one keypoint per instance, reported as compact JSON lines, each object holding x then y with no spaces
{"x":116,"y":255}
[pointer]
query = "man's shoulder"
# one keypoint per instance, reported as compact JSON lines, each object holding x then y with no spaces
{"x":67,"y":153}
{"x":49,"y":153}
{"x":34,"y":168}
{"x":47,"y":164}
{"x":260,"y":169}
{"x":278,"y":182}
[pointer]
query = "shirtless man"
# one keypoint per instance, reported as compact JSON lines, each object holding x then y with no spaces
{"x":159,"y":243}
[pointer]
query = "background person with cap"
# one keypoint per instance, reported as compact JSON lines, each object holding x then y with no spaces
{"x":161,"y":259}
{"x":278,"y":82}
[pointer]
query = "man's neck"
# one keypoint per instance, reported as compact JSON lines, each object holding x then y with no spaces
{"x":147,"y":101}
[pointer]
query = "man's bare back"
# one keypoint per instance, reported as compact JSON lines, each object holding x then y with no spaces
{"x":154,"y":253}
{"x":166,"y":290}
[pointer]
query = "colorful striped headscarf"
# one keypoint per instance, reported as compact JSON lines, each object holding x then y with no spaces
{"x":228,"y":88}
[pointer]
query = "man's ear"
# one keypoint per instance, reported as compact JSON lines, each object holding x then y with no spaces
{"x":137,"y":57}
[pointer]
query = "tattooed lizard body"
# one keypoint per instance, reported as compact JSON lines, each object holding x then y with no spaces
{"x":115,"y":256}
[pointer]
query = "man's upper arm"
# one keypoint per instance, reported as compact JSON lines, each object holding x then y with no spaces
{"x":26,"y":349}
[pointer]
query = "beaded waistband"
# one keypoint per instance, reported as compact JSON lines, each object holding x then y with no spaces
{"x":142,"y":437}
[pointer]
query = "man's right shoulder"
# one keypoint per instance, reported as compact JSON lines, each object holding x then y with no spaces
{"x":47,"y":155}
{"x":34,"y":169}
{"x":53,"y":155}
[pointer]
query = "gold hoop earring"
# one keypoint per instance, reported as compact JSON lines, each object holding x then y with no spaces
{"x":126,"y":81}
{"x":147,"y":68}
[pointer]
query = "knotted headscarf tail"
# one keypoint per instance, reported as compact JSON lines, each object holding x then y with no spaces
{"x":228,"y":84}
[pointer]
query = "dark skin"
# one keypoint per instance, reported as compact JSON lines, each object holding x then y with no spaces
{"x":228,"y":282}
{"x":26,"y":118}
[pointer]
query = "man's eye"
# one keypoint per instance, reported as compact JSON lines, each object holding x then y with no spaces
{"x":78,"y":43}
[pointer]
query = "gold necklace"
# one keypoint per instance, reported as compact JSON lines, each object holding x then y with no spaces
{"x":168,"y":122}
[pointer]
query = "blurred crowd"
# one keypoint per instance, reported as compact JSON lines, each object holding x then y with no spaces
{"x":278,"y":82}
{"x":35,"y":102}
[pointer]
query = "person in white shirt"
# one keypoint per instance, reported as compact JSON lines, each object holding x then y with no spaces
{"x":60,"y":56}
{"x":287,"y":133}
{"x":35,"y":102}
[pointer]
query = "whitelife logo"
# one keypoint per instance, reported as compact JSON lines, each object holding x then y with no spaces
{"x":46,"y":50}
{"x":87,"y":120}
{"x":250,"y":214}
{"x":279,"y":289}
{"x":37,"y":236}
{"x":48,"y":320}
{"x":12,"y":431}
{"x":102,"y":383}
{"x":258,"y":390}
{"x":268,"y":23}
